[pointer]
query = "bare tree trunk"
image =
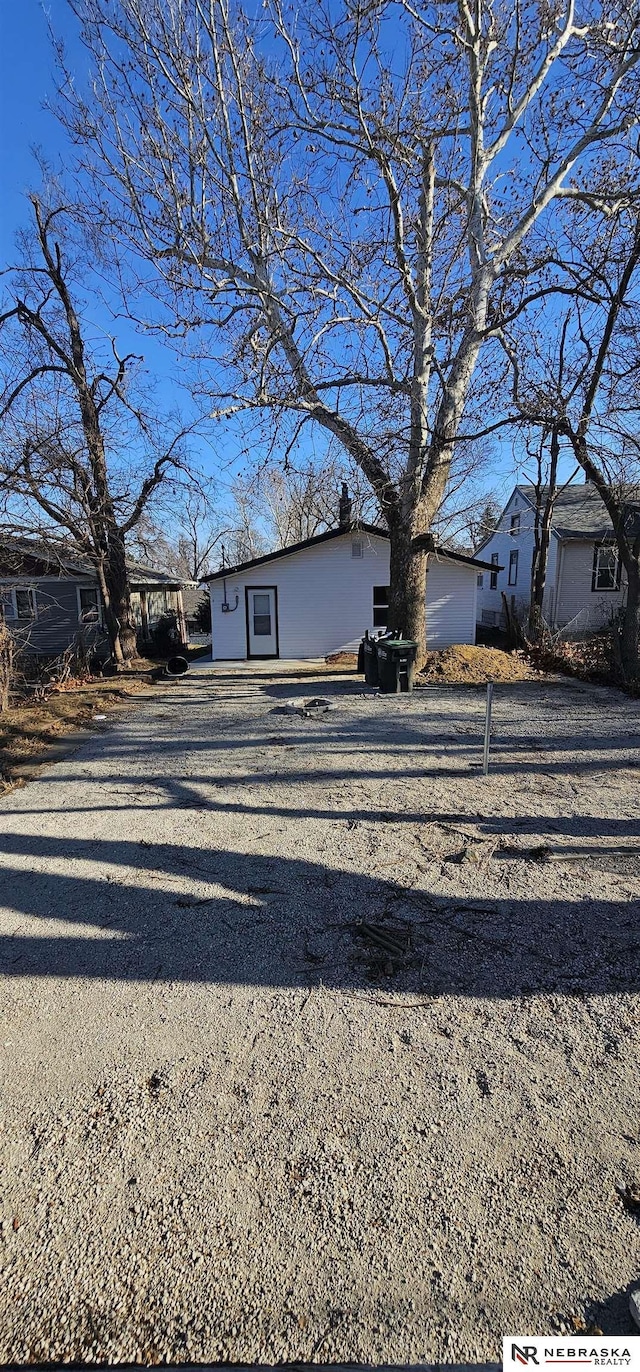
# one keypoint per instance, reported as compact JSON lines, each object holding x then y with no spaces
{"x":117,"y":597}
{"x":630,"y":636}
{"x":6,"y":666}
{"x":542,"y":538}
{"x":408,"y":584}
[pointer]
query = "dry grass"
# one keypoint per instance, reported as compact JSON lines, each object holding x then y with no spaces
{"x":593,"y":658}
{"x":344,"y":661}
{"x":28,"y":728}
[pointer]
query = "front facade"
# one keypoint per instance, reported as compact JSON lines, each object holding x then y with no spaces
{"x":585,"y":584}
{"x":52,"y":602}
{"x":320,"y":596}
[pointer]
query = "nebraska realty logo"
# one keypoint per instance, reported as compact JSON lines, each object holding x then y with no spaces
{"x":583,"y":1351}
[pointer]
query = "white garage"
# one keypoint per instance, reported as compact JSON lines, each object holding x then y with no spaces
{"x":315,"y":597}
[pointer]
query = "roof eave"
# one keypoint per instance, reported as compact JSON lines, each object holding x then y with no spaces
{"x":354,"y":528}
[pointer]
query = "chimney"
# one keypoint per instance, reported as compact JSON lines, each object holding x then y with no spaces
{"x":344,"y":508}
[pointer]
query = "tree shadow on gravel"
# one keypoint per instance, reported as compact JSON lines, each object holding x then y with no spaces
{"x":165,"y":912}
{"x":612,"y":1316}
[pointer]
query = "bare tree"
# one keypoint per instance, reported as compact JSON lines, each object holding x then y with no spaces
{"x":547,"y":488}
{"x":68,"y":418}
{"x":588,"y":393}
{"x":294,"y":502}
{"x":345,"y":204}
{"x":183,"y":534}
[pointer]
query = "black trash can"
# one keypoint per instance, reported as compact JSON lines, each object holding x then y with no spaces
{"x":396,"y":663}
{"x":370,"y":660}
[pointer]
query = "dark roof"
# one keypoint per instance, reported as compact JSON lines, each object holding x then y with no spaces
{"x":297,"y":548}
{"x":453,"y":556}
{"x":139,"y":575}
{"x":376,"y":530}
{"x":191,"y":597}
{"x":58,"y":558}
{"x":579,"y":512}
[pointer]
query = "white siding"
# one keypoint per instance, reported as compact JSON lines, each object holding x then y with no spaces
{"x":502,"y":542}
{"x":451,"y":603}
{"x":325,"y":599}
{"x":578,"y":605}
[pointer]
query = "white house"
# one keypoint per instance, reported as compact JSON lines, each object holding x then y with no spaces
{"x":585,"y":583}
{"x":321,"y":595}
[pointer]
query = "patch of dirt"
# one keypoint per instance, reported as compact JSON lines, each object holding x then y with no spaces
{"x":464,"y":663}
{"x":347,"y":660}
{"x":29,"y":728}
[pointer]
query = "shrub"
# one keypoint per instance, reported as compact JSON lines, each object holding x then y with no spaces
{"x":165,"y":636}
{"x":202,"y":615}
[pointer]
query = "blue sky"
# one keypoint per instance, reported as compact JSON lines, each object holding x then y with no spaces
{"x":26,"y":82}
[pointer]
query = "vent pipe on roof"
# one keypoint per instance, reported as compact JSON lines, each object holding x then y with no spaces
{"x":344,"y":508}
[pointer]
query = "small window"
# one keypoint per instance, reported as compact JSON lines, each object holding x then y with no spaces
{"x":606,"y":568}
{"x":515,"y":525}
{"x":480,"y":580}
{"x":357,"y":547}
{"x":25,"y":602}
{"x":380,"y":607}
{"x":513,"y":568}
{"x":261,"y":614}
{"x":493,"y":584}
{"x":89,"y":605}
{"x":6,"y":604}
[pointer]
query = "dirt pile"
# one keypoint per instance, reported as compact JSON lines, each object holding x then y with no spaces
{"x":349,"y":661}
{"x":466,"y":664}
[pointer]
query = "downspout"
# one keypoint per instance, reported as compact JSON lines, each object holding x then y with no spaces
{"x":144,"y":615}
{"x":556,"y":594}
{"x":181,"y":619}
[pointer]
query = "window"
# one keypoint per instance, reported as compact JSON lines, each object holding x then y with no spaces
{"x":493,"y":584}
{"x":357,"y":547}
{"x":513,"y":568}
{"x":6,"y":603}
{"x":261,"y":614}
{"x":88,"y":605}
{"x":19,"y":602}
{"x":380,"y":607}
{"x":480,"y":580}
{"x":515,"y":525}
{"x":606,"y":568}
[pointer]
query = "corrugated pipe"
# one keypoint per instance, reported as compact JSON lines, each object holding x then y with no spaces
{"x":176,"y":666}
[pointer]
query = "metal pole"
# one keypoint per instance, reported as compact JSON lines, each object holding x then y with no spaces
{"x":487,"y":729}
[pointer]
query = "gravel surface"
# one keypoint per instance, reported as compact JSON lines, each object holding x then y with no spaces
{"x":238,"y":1125}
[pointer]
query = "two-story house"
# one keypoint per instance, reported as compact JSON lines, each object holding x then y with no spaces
{"x":585,"y":582}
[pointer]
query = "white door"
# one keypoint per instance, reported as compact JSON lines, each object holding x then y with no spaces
{"x":262,"y":621}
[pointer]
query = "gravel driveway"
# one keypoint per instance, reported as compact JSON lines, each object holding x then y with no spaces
{"x":236,"y":1125}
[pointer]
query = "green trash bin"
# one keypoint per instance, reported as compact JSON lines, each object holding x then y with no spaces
{"x":396,"y":665}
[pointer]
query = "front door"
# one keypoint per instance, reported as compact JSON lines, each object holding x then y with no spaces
{"x":262,"y":621}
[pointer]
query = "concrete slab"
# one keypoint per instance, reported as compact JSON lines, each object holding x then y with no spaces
{"x":254,"y":667}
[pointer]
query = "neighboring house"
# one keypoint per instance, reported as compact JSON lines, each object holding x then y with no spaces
{"x":51,"y":599}
{"x":585,"y":583}
{"x":193,"y":593}
{"x":321,"y":595}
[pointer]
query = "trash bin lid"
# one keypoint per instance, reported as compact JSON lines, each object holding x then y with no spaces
{"x":400,"y":643}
